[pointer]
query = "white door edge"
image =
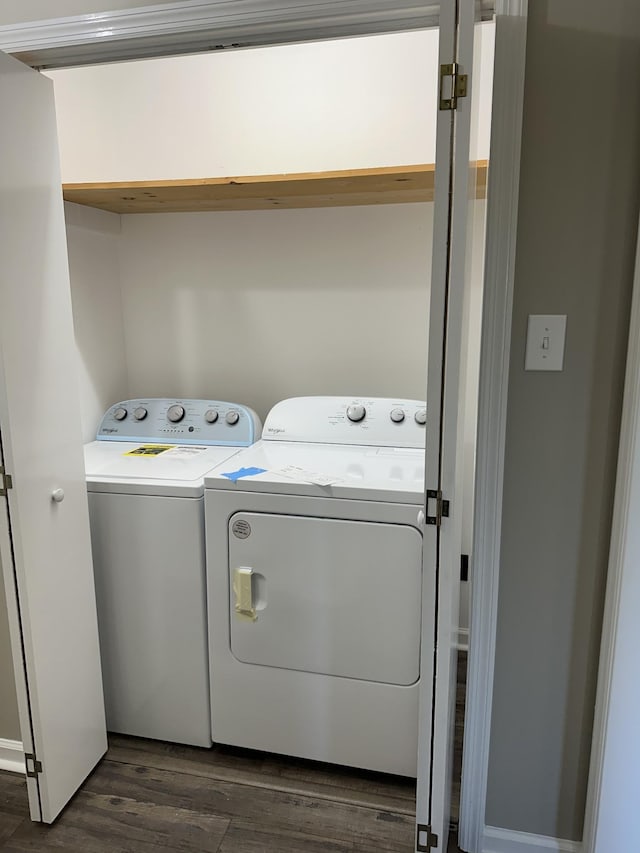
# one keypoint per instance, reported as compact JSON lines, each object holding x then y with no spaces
{"x":451,"y":443}
{"x":15,"y":634}
{"x":425,"y":816}
{"x":502,"y":218}
{"x":619,"y":555}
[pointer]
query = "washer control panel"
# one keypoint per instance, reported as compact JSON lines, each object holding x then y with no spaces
{"x":169,"y":421}
{"x":379,"y":421}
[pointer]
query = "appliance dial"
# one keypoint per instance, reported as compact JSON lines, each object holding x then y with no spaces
{"x":211,"y":416}
{"x":175,"y":413}
{"x":397,"y":416}
{"x":140,"y":413}
{"x":421,"y":417}
{"x":232,"y":417}
{"x":120,"y":413}
{"x":356,"y":413}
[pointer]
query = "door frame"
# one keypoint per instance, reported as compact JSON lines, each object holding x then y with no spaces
{"x":622,"y":553}
{"x":191,"y":26}
{"x":503,"y":187}
{"x":497,"y":304}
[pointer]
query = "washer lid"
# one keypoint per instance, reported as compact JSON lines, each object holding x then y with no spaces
{"x":151,"y":469}
{"x":325,"y":470}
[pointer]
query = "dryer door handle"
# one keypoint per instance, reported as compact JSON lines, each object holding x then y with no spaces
{"x":243,"y":591}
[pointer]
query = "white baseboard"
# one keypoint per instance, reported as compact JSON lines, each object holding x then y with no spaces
{"x":496,"y":840}
{"x":11,"y":756}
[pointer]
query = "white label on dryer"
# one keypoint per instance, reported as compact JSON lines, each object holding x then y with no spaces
{"x":185,"y":451}
{"x":295,"y":472}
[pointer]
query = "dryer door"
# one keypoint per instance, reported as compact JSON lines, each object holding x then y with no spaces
{"x":326,"y":596}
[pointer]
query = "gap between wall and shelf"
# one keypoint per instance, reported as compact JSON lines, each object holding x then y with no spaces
{"x":386,"y":185}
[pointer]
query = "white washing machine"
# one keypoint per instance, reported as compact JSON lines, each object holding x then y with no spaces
{"x":314,"y":566}
{"x":145,"y":478}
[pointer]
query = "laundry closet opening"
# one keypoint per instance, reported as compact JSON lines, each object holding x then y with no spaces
{"x":311,"y":280}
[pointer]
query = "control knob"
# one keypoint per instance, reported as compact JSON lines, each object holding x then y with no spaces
{"x":356,"y":413}
{"x":175,"y":413}
{"x":211,"y":416}
{"x":140,"y":413}
{"x":397,"y":415}
{"x":421,"y":417}
{"x":232,"y":417}
{"x":120,"y":413}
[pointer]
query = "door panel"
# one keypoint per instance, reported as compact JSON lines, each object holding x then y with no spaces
{"x":326,"y":596}
{"x":444,"y":437}
{"x":464,"y":178}
{"x":51,"y":579}
{"x":435,"y":366}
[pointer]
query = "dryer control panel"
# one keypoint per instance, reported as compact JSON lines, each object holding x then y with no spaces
{"x":170,"y":421}
{"x":379,"y":421}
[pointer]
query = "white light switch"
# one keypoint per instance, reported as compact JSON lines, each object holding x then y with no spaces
{"x":545,"y":342}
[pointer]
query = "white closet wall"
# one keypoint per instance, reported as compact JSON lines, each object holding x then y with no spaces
{"x":262,"y":305}
{"x":347,"y":104}
{"x":295,"y":108}
{"x":92,"y":243}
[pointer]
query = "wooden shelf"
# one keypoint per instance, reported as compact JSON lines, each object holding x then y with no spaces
{"x":389,"y":185}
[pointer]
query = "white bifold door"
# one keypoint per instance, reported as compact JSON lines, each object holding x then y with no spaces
{"x":44,"y":523}
{"x":455,"y":188}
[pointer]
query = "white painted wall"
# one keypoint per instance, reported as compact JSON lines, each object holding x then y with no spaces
{"x":92,"y":242}
{"x":352,"y":103}
{"x":261,"y":305}
{"x":575,"y":256}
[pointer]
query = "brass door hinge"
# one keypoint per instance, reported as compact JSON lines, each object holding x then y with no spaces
{"x":442,"y":507}
{"x":426,"y":841}
{"x":6,"y":481}
{"x":36,"y":766}
{"x":457,"y":87}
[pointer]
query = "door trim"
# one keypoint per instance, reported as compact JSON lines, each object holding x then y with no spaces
{"x":502,"y":221}
{"x":198,"y":25}
{"x":619,"y":559}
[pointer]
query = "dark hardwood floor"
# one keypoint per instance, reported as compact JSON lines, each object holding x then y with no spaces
{"x":152,"y":797}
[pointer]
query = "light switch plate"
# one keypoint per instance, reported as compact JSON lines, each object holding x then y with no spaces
{"x":545,"y":342}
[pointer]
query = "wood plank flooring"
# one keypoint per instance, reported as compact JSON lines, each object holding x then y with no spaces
{"x":152,"y":797}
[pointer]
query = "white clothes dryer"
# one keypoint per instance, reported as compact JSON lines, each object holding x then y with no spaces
{"x":145,"y":478}
{"x":314,"y":565}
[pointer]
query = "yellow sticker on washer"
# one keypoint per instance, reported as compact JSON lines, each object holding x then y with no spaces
{"x":148,"y":450}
